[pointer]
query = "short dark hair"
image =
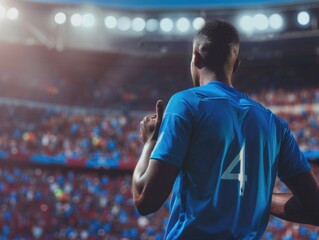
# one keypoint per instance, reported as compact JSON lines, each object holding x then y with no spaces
{"x":214,"y":42}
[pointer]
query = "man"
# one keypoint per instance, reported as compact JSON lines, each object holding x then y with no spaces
{"x":220,"y":152}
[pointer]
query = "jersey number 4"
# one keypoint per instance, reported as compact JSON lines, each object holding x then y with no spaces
{"x":241,"y":177}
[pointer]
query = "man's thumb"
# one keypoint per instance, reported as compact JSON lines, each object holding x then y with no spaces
{"x":159,"y":110}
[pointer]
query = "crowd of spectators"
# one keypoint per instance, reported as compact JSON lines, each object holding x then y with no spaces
{"x":140,"y":94}
{"x":75,"y":139}
{"x":100,"y":81}
{"x":47,"y":203}
{"x":100,"y":140}
{"x":275,"y":97}
{"x":280,"y":229}
{"x":53,"y":204}
{"x":305,"y":127}
{"x":42,"y":203}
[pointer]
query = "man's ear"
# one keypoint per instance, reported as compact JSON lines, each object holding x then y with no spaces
{"x":199,"y":62}
{"x":236,"y":66}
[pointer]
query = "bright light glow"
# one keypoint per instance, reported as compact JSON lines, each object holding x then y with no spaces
{"x":151,"y":25}
{"x":260,"y":22}
{"x":2,"y":12}
{"x":60,"y":18}
{"x":246,"y":23}
{"x":303,"y":18}
{"x":276,"y":21}
{"x":13,"y":13}
{"x":124,"y":23}
{"x":183,"y":24}
{"x":198,"y":23}
{"x":138,"y":24}
{"x":76,"y":20}
{"x":166,"y":25}
{"x":110,"y":22}
{"x":88,"y":20}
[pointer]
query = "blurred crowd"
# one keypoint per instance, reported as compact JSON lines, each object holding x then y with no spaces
{"x":75,"y":139}
{"x":273,"y":97}
{"x":99,"y":140}
{"x":305,"y":127}
{"x":139,"y":94}
{"x":50,"y":204}
{"x":44,"y":203}
{"x":98,"y":80}
{"x":280,"y":229}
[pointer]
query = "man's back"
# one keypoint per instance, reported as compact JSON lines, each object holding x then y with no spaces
{"x":229,"y":149}
{"x":220,"y":152}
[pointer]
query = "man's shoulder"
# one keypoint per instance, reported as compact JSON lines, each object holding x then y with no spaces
{"x":276,"y":119}
{"x":183,"y":101}
{"x":185,"y":94}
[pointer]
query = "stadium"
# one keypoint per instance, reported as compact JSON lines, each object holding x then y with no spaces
{"x":77,"y":77}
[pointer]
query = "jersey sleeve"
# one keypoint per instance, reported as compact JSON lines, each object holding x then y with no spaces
{"x":175,"y":132}
{"x":291,"y":160}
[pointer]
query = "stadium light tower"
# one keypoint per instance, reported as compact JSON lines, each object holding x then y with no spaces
{"x":276,"y":21}
{"x":124,"y":23}
{"x":246,"y":23}
{"x":76,"y":20}
{"x":303,"y":18}
{"x":198,"y":23}
{"x":166,"y":25}
{"x":60,"y":18}
{"x":110,"y":22}
{"x":13,"y":13}
{"x":183,"y":24}
{"x":260,"y":22}
{"x":151,"y":25}
{"x":138,"y":24}
{"x":88,"y":20}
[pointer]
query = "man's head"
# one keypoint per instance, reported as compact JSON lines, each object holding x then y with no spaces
{"x":215,"y":50}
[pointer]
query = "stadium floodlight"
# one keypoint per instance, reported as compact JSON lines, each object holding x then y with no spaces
{"x":124,"y":23}
{"x":138,"y":24}
{"x":2,"y":12}
{"x":276,"y":21}
{"x":183,"y":24}
{"x":198,"y":23}
{"x":76,"y":20}
{"x":13,"y":13}
{"x":60,"y":18}
{"x":110,"y":22}
{"x":151,"y":25}
{"x":246,"y":23}
{"x":88,"y":20}
{"x":303,"y":18}
{"x":260,"y":21}
{"x":166,"y":24}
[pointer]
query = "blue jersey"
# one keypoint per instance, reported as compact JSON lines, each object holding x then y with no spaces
{"x":229,"y":149}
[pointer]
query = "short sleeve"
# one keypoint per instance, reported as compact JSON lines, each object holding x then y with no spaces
{"x":175,"y":132}
{"x":291,"y":160}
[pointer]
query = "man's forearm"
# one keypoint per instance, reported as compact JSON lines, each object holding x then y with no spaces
{"x":141,"y":167}
{"x":285,"y":206}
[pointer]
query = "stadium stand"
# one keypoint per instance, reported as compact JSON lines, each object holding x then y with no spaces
{"x":69,"y":135}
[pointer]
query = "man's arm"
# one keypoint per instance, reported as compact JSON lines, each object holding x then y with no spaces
{"x":152,"y":180}
{"x":302,"y":205}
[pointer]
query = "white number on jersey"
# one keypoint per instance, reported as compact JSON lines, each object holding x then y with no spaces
{"x":241,"y":177}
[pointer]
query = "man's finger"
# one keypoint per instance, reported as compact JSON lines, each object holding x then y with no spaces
{"x":159,"y":117}
{"x":159,"y":110}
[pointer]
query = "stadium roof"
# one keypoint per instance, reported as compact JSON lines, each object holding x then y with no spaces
{"x":152,"y":4}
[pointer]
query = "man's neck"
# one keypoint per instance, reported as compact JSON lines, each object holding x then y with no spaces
{"x":208,"y":77}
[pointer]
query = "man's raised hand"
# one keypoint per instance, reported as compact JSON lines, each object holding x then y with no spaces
{"x":150,"y":125}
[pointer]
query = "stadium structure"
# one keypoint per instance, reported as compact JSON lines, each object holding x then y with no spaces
{"x":76,"y":78}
